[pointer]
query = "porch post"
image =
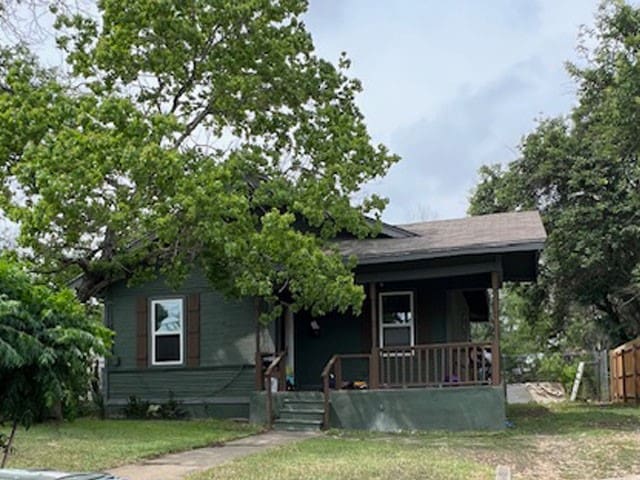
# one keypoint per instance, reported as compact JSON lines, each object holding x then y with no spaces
{"x":258,"y":358}
{"x":289,"y":342}
{"x":495,"y":349}
{"x":374,"y":365}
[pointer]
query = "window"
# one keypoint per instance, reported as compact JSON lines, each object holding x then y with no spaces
{"x":396,"y":319}
{"x":167,"y":326}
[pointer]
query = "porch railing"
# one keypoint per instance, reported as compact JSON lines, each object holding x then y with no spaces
{"x":435,"y":365}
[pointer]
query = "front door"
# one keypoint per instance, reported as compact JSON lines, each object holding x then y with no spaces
{"x":316,"y":343}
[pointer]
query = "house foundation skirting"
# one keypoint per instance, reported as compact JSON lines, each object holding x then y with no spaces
{"x":452,"y":408}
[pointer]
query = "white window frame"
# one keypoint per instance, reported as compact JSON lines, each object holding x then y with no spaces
{"x":382,"y":326}
{"x":155,"y":334}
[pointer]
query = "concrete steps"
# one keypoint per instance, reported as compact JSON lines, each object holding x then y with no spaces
{"x":297,"y":425}
{"x":300,"y":411}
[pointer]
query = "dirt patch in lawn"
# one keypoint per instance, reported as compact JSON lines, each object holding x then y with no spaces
{"x":564,"y":457}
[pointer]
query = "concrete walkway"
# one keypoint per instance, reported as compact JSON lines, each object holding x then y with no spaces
{"x":178,"y":465}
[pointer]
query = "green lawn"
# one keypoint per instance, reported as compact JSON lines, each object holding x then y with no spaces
{"x":562,"y":442}
{"x":92,"y":444}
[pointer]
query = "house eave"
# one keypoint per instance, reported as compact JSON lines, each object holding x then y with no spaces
{"x":397,"y":257}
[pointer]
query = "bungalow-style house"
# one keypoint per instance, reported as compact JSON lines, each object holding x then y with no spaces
{"x":408,"y":361}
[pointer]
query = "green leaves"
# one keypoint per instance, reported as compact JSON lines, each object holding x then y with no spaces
{"x":48,"y":341}
{"x":201,"y":134}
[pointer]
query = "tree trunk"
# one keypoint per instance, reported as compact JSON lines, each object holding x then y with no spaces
{"x":614,"y":325}
{"x":7,"y":447}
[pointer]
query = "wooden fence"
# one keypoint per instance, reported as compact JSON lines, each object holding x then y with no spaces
{"x":624,"y":363}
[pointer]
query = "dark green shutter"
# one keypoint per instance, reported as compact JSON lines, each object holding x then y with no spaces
{"x":142,"y":335}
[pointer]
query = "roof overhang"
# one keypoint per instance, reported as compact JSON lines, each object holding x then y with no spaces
{"x":428,"y":254}
{"x":509,"y":243}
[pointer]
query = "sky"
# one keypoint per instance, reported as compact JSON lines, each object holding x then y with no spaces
{"x":451,"y":85}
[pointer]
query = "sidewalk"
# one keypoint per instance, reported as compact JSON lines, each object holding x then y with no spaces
{"x":178,"y":465}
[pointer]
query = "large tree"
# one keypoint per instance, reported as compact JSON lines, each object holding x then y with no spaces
{"x":582,"y":172}
{"x":47,"y":343}
{"x":200,"y":133}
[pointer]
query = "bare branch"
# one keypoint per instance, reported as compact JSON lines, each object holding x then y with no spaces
{"x":192,"y":125}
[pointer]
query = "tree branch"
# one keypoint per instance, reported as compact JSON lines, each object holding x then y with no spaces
{"x":191,"y":76}
{"x":7,"y":447}
{"x":192,"y":125}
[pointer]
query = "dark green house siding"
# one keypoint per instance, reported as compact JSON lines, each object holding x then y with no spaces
{"x":225,"y":375}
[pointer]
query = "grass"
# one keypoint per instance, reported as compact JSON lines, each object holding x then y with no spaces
{"x":559,"y":442}
{"x":351,"y":457}
{"x":92,"y":444}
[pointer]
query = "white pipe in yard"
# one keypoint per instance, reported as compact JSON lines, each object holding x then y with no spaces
{"x":576,"y":382}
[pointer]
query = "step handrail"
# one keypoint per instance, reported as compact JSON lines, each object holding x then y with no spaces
{"x":335,"y":364}
{"x":268,"y":374}
{"x":326,"y":371}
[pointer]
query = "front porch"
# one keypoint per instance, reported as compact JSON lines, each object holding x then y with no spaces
{"x":435,"y":386}
{"x":395,"y":383}
{"x":408,"y":359}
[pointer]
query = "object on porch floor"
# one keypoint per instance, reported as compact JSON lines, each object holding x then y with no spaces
{"x":481,"y":360}
{"x":347,"y":384}
{"x":291,"y":384}
{"x":332,"y":381}
{"x":355,"y":385}
{"x":289,"y":379}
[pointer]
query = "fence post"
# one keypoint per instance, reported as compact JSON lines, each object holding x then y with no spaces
{"x":613,"y":376}
{"x":624,"y":378}
{"x":597,"y":368}
{"x":635,"y":373}
{"x":605,"y":394}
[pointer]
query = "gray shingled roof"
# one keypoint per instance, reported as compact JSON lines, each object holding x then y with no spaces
{"x":496,"y":233}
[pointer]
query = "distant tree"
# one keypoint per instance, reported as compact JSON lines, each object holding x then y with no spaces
{"x":192,"y":133}
{"x":583,"y":173}
{"x":47,"y":343}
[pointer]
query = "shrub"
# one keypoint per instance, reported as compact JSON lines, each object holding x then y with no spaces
{"x":555,"y":368}
{"x":136,"y":408}
{"x":170,"y":410}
